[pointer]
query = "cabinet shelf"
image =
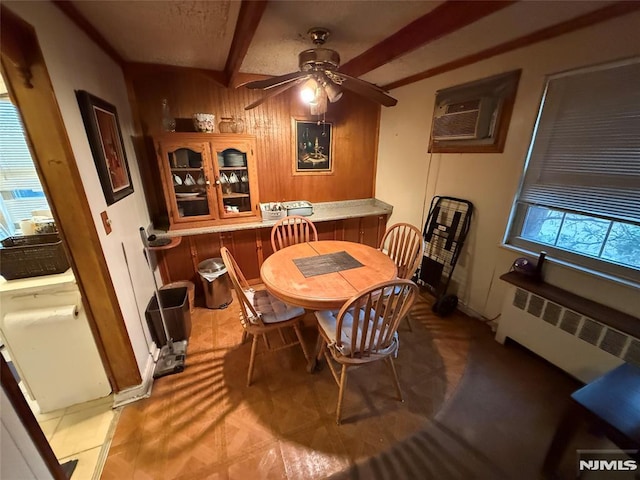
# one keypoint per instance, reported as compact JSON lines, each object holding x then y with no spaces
{"x":222,"y":169}
{"x":186,"y":169}
{"x":235,"y":195}
{"x":191,"y":199}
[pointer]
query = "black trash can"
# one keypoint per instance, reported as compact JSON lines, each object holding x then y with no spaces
{"x":215,"y":282}
{"x":175,"y":303}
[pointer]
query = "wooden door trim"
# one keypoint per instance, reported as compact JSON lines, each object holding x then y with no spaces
{"x":58,"y":171}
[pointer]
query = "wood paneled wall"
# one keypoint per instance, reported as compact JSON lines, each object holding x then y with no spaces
{"x":355,"y":135}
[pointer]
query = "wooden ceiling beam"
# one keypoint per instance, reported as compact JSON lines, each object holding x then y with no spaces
{"x":248,"y":20}
{"x":442,"y":20}
{"x":76,"y":17}
{"x":591,"y":18}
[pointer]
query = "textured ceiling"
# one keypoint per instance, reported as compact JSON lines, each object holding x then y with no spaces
{"x":355,"y":27}
{"x":182,"y":33}
{"x":199,"y":33}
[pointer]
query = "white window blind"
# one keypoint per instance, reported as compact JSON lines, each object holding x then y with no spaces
{"x":586,"y":152}
{"x":20,"y":188}
{"x":580,"y":194}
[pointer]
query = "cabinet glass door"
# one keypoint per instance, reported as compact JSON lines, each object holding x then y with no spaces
{"x":234,"y":181}
{"x":190,"y":183}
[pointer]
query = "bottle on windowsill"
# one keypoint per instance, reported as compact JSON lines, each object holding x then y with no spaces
{"x":538,"y":271}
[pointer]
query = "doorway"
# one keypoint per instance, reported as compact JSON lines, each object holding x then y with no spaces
{"x":76,"y":433}
{"x":27,"y":79}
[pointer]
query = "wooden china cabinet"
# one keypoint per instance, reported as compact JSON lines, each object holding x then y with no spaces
{"x":208,"y":178}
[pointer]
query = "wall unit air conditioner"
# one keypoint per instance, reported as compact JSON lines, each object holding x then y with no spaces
{"x":468,"y":120}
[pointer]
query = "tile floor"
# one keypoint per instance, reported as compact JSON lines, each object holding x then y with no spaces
{"x":205,"y":422}
{"x":473,"y":409}
{"x":80,"y":432}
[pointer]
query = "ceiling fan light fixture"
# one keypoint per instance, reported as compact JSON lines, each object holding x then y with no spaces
{"x":319,"y":106}
{"x":334,"y":93}
{"x":309,"y":91}
{"x":318,"y":59}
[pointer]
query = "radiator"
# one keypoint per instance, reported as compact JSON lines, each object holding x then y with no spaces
{"x":579,"y":345}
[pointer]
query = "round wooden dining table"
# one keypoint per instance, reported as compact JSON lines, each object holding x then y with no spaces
{"x":350,"y":268}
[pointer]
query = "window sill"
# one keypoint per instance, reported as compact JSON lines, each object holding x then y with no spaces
{"x":618,"y":281}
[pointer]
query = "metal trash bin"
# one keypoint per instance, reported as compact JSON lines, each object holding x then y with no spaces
{"x":215,"y":282}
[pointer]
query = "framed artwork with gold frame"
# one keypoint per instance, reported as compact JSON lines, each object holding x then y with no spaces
{"x":312,"y":147}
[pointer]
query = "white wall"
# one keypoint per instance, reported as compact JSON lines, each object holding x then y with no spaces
{"x":408,"y":175}
{"x":76,"y":63}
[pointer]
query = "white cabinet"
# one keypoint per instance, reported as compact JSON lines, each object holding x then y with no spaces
{"x":48,"y":339}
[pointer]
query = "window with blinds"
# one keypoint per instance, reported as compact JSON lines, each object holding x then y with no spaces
{"x":20,"y":188}
{"x":579,"y":198}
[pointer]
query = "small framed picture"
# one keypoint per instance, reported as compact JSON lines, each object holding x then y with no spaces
{"x":313,"y":147}
{"x":105,"y":139}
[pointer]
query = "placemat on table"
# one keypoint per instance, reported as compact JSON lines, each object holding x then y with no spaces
{"x":329,"y":263}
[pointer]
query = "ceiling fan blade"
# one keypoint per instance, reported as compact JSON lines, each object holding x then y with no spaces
{"x":274,"y":92}
{"x":366,"y":89}
{"x":274,"y":81}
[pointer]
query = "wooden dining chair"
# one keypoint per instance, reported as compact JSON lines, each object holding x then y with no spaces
{"x":352,"y":339}
{"x":262,"y":314}
{"x":291,"y":230}
{"x":404,"y":244}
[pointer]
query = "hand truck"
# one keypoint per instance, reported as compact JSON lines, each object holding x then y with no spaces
{"x":444,"y":233}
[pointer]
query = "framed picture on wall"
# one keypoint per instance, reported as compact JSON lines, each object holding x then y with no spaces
{"x":105,"y":139}
{"x":313,"y":147}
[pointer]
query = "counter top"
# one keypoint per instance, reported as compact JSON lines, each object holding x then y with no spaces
{"x":37,"y":282}
{"x":322,"y":212}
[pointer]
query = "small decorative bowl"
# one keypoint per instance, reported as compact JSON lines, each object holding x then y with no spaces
{"x":204,"y":122}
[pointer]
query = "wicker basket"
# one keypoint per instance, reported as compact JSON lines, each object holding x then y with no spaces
{"x":32,"y":256}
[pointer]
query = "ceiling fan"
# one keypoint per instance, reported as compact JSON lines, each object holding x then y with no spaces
{"x":320,"y":78}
